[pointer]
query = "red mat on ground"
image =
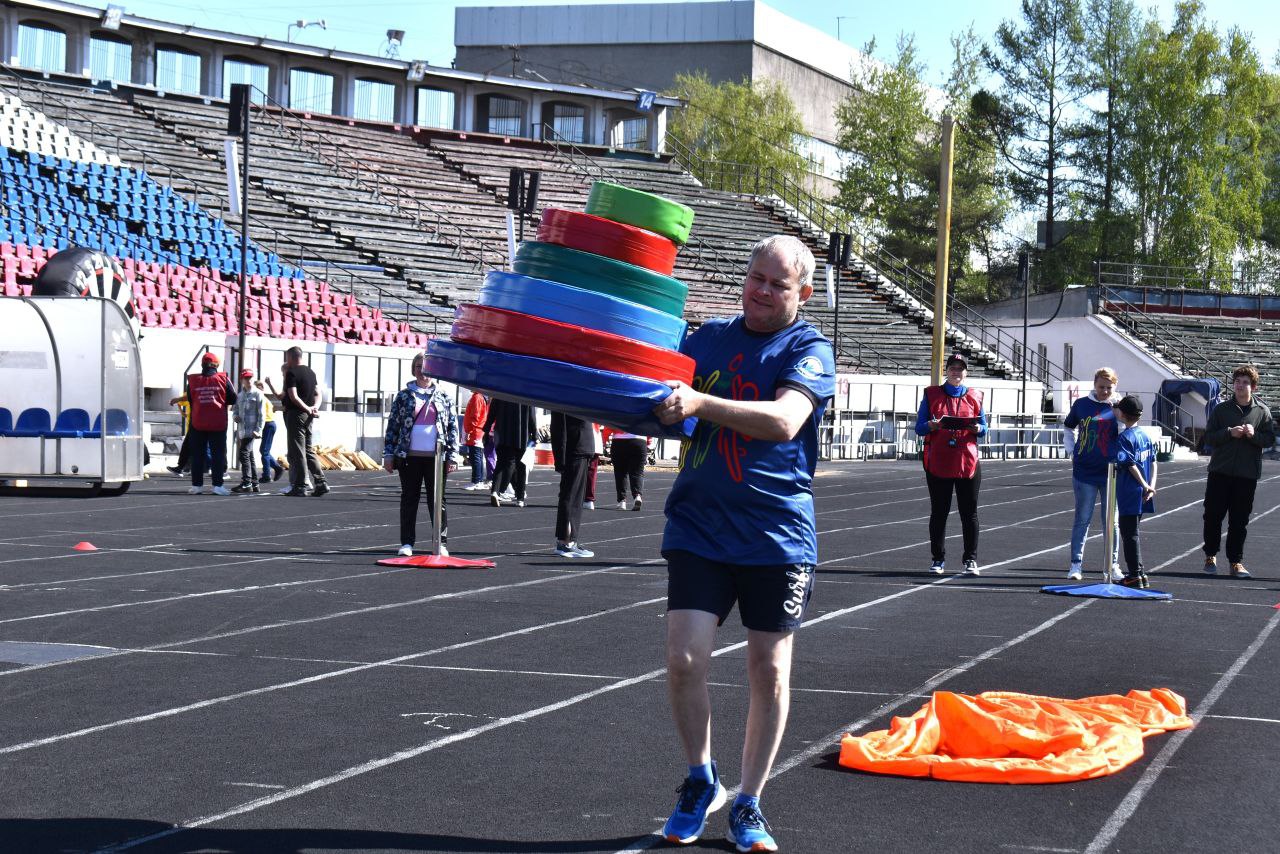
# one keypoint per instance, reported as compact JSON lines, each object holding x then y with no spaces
{"x":436,"y":561}
{"x":526,"y":335}
{"x":615,"y":240}
{"x":1003,"y":737}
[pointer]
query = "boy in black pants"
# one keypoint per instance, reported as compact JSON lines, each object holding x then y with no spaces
{"x":1135,"y":486}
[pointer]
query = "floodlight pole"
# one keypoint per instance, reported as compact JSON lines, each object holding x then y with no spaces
{"x":944,"y":250}
{"x":244,"y":228}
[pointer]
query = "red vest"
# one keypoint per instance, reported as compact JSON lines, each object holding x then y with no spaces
{"x":208,"y":397}
{"x":941,"y":459}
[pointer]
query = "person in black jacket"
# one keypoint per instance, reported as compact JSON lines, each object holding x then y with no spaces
{"x":572,"y":446}
{"x":514,"y":427}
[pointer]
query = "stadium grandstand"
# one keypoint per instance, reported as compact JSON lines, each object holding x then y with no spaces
{"x":370,"y":220}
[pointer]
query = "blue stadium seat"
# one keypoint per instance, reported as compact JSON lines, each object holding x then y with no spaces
{"x":31,"y":422}
{"x":71,"y":424}
{"x":117,"y":423}
{"x":6,"y":421}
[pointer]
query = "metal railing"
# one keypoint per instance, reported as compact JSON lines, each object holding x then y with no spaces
{"x":822,"y":217}
{"x":1245,"y":278}
{"x":333,"y":153}
{"x":1169,"y":341}
{"x":209,"y":200}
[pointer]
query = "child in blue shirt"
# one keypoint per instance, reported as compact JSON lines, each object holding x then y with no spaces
{"x":1135,"y":485}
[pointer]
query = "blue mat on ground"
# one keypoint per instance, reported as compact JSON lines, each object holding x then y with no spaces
{"x":603,"y":397}
{"x":1104,"y":591}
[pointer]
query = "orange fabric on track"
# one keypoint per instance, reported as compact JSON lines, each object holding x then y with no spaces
{"x":1004,"y":737}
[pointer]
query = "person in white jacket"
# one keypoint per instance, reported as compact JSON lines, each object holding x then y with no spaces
{"x":250,"y":418}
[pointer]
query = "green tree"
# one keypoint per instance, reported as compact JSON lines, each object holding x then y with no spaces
{"x":1269,"y":151}
{"x":1195,"y":166}
{"x":1036,"y":60}
{"x":883,"y":126}
{"x":753,"y":124}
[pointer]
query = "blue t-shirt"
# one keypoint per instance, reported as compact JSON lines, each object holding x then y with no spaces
{"x":1095,"y":426}
{"x":1133,"y":448}
{"x":741,"y":500}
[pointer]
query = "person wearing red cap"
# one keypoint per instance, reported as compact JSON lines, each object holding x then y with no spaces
{"x":210,"y":393}
{"x":250,"y":417}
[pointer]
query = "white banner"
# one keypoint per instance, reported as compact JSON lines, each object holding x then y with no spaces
{"x":233,"y":175}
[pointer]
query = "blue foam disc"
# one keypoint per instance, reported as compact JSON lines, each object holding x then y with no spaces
{"x":603,"y":397}
{"x":554,"y":301}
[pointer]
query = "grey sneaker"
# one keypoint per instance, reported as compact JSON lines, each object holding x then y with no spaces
{"x":573,"y":550}
{"x":1211,"y":564}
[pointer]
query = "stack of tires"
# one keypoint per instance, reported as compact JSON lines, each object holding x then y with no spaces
{"x":590,"y":321}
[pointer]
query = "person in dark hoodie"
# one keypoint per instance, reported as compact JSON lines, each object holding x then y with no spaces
{"x":515,"y":428}
{"x":211,"y":394}
{"x":572,"y":446}
{"x":1238,"y":431}
{"x":421,"y":425}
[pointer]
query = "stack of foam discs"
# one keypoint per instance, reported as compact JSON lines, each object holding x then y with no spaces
{"x":590,"y":321}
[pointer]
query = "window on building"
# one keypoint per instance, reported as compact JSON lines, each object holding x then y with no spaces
{"x":110,"y":59}
{"x":310,"y":91}
{"x":822,"y":158}
{"x":177,"y":71}
{"x":255,"y":74}
{"x":500,"y":115}
{"x":435,"y":108}
{"x":1042,"y":357}
{"x":1068,"y":358}
{"x":375,"y":101}
{"x":42,"y":46}
{"x":630,"y":132}
{"x":564,"y":121}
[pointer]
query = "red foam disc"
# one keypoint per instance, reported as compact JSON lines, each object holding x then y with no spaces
{"x":436,"y":561}
{"x":526,"y":335}
{"x":615,"y":240}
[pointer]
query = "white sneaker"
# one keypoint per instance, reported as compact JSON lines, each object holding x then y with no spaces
{"x":639,"y":502}
{"x":495,"y":499}
{"x":444,"y":552}
{"x":405,"y":551}
{"x":573,"y":550}
{"x":621,"y":505}
{"x":971,"y":568}
{"x":1076,"y":572}
{"x":588,"y":505}
{"x":1117,"y":575}
{"x":472,"y":487}
{"x":221,"y":490}
{"x":519,"y":502}
{"x":195,"y":490}
{"x":509,"y":495}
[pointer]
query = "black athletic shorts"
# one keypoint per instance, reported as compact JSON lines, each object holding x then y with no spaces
{"x":771,"y":598}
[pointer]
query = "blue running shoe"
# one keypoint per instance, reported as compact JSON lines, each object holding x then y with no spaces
{"x":749,"y":831}
{"x":698,"y":799}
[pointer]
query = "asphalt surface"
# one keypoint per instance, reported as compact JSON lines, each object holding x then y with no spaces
{"x":238,"y":675}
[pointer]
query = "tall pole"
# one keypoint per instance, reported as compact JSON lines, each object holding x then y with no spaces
{"x":944,"y":249}
{"x":244,"y":229}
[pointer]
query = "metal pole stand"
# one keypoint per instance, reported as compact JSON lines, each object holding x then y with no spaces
{"x":437,"y":520}
{"x":1109,"y":521}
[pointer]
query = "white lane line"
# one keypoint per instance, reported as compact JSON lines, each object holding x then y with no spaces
{"x":309,"y":680}
{"x":206,"y":594}
{"x":4,"y":587}
{"x":926,"y":688}
{"x":1242,"y":718}
{"x":456,"y":594}
{"x":1111,"y":829}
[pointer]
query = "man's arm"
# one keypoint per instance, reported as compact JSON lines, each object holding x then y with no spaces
{"x":777,"y":420}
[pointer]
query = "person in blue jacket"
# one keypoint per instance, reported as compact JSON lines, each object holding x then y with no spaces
{"x":1135,"y":485}
{"x":1089,"y":436}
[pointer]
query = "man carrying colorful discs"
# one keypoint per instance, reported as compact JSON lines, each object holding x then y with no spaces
{"x":740,"y":523}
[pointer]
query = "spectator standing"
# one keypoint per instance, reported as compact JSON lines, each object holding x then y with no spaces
{"x":210,"y":394}
{"x":514,"y":428}
{"x":421,"y":425}
{"x":473,"y":420}
{"x":1089,"y":436}
{"x":950,"y":420}
{"x":593,"y":468}
{"x":300,"y":412}
{"x":572,"y":447}
{"x":741,"y":526}
{"x":184,"y":452}
{"x":270,"y":468}
{"x":629,"y":454}
{"x":1238,"y":431}
{"x":1135,"y":486}
{"x":250,"y":415}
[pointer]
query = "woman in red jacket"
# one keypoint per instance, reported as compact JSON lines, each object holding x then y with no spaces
{"x":473,"y":439}
{"x":950,"y":421}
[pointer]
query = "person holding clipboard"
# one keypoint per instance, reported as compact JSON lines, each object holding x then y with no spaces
{"x":950,"y":420}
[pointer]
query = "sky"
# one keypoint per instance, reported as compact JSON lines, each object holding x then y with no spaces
{"x":361,"y":25}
